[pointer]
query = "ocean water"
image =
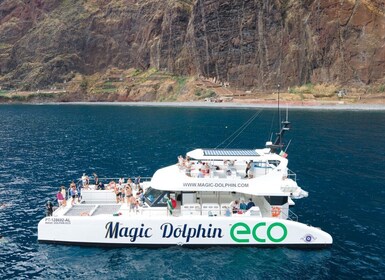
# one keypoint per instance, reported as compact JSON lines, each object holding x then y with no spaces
{"x":338,"y":156}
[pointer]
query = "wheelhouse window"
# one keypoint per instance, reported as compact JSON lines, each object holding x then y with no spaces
{"x":276,"y":200}
{"x":156,"y":198}
{"x":274,"y":162}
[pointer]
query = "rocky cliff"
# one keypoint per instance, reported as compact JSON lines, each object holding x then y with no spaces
{"x":247,"y":43}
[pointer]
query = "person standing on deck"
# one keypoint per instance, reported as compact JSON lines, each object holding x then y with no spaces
{"x":248,"y":167}
{"x":96,"y":179}
{"x":49,"y":208}
{"x":60,"y":197}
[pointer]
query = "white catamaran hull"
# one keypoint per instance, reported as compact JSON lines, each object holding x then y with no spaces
{"x":168,"y":231}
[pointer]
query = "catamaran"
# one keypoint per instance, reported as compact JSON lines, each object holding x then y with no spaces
{"x":224,"y":197}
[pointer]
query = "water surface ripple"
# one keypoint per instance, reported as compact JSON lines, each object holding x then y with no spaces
{"x":337,"y":155}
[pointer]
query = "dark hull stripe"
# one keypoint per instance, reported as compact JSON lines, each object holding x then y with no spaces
{"x":310,"y":246}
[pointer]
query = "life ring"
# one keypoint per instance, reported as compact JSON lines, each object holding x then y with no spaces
{"x":275,"y":211}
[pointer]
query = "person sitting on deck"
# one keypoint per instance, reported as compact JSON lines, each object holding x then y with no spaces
{"x":134,"y":204}
{"x":243,"y":206}
{"x":111,"y":185}
{"x":235,"y":206}
{"x":206,"y":169}
{"x":227,"y":212}
{"x":100,"y":186}
{"x":250,"y":204}
{"x":200,"y":174}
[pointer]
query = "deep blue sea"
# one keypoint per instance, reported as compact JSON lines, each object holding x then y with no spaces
{"x":339,"y":158}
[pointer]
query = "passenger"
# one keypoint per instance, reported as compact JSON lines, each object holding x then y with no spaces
{"x":121,"y":181}
{"x":85,"y":180}
{"x":251,"y":171}
{"x":60,"y":197}
{"x":100,"y":186}
{"x":235,"y":206}
{"x":227,"y":212}
{"x":130,"y":183}
{"x":248,"y":166}
{"x":133,"y":203}
{"x":250,"y":204}
{"x":111,"y":185}
{"x":198,"y":164}
{"x":200,"y":174}
{"x":73,"y":193}
{"x":188,"y":167}
{"x":63,"y":192}
{"x":180,"y":161}
{"x":118,"y":193}
{"x":242,"y":206}
{"x":140,"y":196}
{"x":128,"y":194}
{"x":139,"y":191}
{"x":96,"y":179}
{"x":72,"y":184}
{"x":122,"y":193}
{"x":49,"y":208}
{"x":207,"y":169}
{"x":137,"y":182}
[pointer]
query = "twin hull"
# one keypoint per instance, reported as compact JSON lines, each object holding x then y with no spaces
{"x":167,"y":231}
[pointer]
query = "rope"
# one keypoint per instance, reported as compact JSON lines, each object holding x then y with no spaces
{"x":239,"y":130}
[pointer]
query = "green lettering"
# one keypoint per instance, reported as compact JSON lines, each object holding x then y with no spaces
{"x":277,"y":239}
{"x":245,"y":230}
{"x":255,"y":232}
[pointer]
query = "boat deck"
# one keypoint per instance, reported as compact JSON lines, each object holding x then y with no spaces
{"x":205,"y":208}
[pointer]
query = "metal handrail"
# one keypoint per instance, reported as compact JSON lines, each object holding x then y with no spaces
{"x":291,"y":175}
{"x":292,"y":216}
{"x":142,"y":179}
{"x":79,"y":183}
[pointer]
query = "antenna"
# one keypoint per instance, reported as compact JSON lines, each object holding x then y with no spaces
{"x":279,"y":113}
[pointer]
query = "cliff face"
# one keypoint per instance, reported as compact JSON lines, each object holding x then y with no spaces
{"x":247,"y":43}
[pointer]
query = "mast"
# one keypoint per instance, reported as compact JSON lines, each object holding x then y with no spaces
{"x":284,"y":126}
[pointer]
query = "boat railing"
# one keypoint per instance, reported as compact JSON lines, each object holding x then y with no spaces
{"x":105,"y":181}
{"x":291,"y":216}
{"x":291,"y":175}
